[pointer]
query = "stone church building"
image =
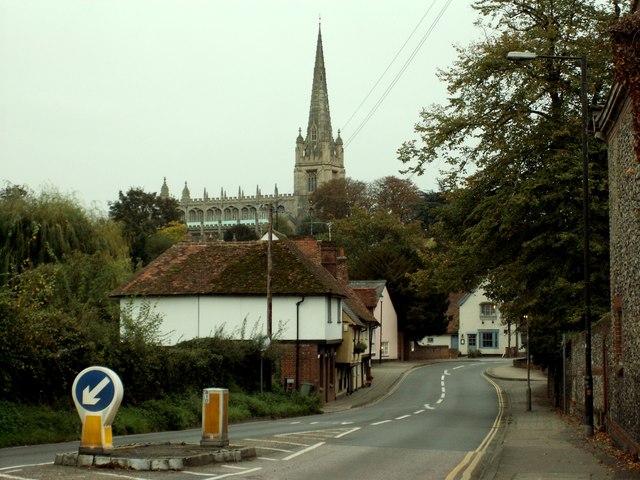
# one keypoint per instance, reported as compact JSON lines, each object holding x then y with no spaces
{"x":318,"y":158}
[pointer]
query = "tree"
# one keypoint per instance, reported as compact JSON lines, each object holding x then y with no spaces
{"x":142,"y":214}
{"x":396,"y":196}
{"x":514,"y":223}
{"x":380,"y":246}
{"x":240,"y":233}
{"x":56,"y":316}
{"x":336,"y":198}
{"x":420,"y":310}
{"x":41,"y":229}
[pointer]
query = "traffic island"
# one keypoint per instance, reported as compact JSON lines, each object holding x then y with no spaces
{"x":157,"y":456}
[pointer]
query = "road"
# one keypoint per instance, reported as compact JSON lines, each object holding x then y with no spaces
{"x":435,"y":425}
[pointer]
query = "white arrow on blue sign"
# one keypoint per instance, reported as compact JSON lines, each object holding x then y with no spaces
{"x":97,"y":389}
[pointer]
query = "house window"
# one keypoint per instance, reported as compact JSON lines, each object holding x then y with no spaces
{"x":488,"y":309}
{"x":384,"y":349}
{"x":472,"y":339}
{"x":489,"y":339}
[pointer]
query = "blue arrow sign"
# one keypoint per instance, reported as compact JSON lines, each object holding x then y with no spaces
{"x":95,"y":390}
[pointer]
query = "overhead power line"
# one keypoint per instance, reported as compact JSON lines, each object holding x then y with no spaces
{"x":400,"y":72}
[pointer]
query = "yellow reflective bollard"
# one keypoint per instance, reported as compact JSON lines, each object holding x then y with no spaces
{"x":97,"y":393}
{"x":215,"y":417}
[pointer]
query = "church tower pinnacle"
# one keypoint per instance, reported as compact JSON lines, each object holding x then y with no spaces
{"x":319,"y":158}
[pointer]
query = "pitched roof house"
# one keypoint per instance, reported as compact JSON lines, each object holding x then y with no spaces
{"x":375,"y":296}
{"x":204,"y":288}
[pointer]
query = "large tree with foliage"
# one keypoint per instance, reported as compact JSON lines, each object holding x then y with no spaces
{"x":36,"y":229}
{"x":59,"y":264}
{"x":336,"y":198}
{"x":396,"y":196}
{"x":142,"y":214}
{"x":511,"y":134}
{"x":380,"y":246}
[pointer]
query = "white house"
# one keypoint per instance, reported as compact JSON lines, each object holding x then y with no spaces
{"x":374,"y":294}
{"x":482,"y":329}
{"x":201,"y":288}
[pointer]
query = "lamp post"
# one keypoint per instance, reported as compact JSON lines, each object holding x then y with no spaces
{"x":588,"y":375}
{"x":526,"y":317}
{"x":380,"y":359}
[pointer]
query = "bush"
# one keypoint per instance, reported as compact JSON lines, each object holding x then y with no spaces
{"x":474,"y":353}
{"x":27,"y":425}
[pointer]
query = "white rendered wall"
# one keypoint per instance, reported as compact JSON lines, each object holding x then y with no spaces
{"x":185,"y":318}
{"x":472,"y":322}
{"x":386,"y":313}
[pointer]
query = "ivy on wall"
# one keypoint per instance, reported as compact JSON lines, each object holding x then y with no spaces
{"x":625,"y":36}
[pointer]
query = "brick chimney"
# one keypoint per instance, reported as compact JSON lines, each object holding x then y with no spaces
{"x":328,"y":257}
{"x":342,"y":273}
{"x":309,"y":247}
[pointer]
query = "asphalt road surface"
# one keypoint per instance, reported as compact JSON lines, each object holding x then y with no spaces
{"x":435,"y":425}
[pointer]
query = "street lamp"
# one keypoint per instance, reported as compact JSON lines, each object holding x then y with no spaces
{"x":380,"y":359}
{"x":588,"y":375}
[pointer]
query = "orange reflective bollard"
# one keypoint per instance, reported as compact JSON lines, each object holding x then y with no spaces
{"x":215,"y":417}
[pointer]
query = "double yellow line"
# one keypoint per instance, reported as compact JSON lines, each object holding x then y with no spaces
{"x":468,"y":464}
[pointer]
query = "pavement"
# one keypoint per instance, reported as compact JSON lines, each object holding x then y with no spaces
{"x":537,"y":444}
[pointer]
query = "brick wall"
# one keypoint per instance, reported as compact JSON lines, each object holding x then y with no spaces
{"x":308,"y":367}
{"x":431,"y":353}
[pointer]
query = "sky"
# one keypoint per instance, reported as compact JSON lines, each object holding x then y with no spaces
{"x":98,"y":96}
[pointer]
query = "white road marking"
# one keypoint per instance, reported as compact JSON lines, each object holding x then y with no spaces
{"x":429,"y":407}
{"x":439,"y":400}
{"x":347,"y":432}
{"x":380,"y":423}
{"x":277,"y":441}
{"x":402,"y":417}
{"x":303,"y":451}
{"x":275,"y":449}
{"x":27,"y":465}
{"x":417,"y":412}
{"x":459,"y":366}
{"x":117,"y":475}
{"x":4,"y":475}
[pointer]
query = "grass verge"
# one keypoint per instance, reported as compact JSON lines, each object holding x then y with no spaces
{"x":27,"y":425}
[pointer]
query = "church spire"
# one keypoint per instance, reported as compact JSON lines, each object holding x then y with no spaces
{"x":319,"y":127}
{"x":319,"y":158}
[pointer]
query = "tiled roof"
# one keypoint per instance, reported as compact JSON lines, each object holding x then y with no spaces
{"x":368,"y":296}
{"x":231,"y":268}
{"x":354,"y":302}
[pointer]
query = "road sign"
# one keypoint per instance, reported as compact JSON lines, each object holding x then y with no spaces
{"x":97,"y":389}
{"x":97,"y":393}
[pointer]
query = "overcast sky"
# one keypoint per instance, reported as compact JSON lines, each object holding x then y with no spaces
{"x":97,"y":96}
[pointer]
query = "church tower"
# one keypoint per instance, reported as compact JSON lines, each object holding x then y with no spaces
{"x":319,"y":158}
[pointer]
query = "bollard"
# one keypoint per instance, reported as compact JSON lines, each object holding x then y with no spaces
{"x":97,"y":393}
{"x":215,"y":417}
